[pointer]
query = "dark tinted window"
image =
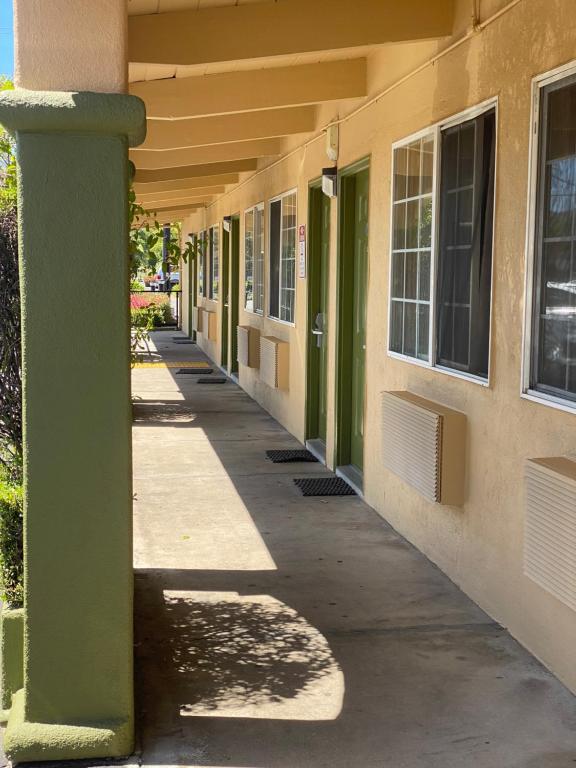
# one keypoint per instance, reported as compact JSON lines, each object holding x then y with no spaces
{"x":554,"y":324}
{"x":275,"y":219}
{"x":465,"y":245}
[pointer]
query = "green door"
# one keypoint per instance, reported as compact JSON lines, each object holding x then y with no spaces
{"x":351,"y":320}
{"x":234,"y":291}
{"x":317,"y":369}
{"x":225,"y":296}
{"x":192,"y":287}
{"x":359,"y":320}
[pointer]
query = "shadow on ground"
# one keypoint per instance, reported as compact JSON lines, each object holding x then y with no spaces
{"x":276,"y":631}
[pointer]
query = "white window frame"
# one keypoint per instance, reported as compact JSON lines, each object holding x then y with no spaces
{"x":253,"y":209}
{"x":435,"y":130}
{"x":214,"y":296}
{"x":292,"y":324}
{"x":538,"y":83}
{"x":203,"y":243}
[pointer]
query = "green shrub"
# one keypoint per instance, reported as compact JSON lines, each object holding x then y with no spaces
{"x":166,"y":317}
{"x":10,"y":349}
{"x":147,"y":317}
{"x":11,"y":544}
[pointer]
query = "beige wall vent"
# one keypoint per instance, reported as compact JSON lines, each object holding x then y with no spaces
{"x":210,"y":324}
{"x":248,"y":346}
{"x":274,"y":362}
{"x":197,"y":319}
{"x":424,"y":443}
{"x":550,"y":527}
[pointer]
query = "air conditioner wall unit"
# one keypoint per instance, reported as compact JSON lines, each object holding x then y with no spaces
{"x":210,"y":324}
{"x":550,"y":526}
{"x":248,"y":346}
{"x":197,"y":319}
{"x":424,"y":443}
{"x":274,"y":362}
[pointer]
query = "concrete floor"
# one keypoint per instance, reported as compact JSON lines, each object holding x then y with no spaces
{"x":276,"y":631}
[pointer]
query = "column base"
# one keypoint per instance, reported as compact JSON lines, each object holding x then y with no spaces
{"x":12,"y":657}
{"x":32,"y":742}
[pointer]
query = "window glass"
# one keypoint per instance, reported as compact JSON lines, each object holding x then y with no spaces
{"x":411,"y":248}
{"x":214,"y":262}
{"x":259,"y":259}
{"x":249,"y":260}
{"x":465,"y":245}
{"x":254,"y":259}
{"x":283,"y":257}
{"x":202,"y":264}
{"x":553,"y":367}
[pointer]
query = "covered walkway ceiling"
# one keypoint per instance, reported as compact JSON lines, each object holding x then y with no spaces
{"x":227,"y":83}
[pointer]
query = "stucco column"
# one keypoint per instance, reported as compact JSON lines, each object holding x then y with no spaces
{"x":72,"y":146}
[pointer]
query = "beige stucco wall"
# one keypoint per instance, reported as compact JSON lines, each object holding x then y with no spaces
{"x":480,"y":544}
{"x":71,"y":45}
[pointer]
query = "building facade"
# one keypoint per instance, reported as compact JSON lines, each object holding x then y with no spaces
{"x":383,"y":196}
{"x":444,"y":268}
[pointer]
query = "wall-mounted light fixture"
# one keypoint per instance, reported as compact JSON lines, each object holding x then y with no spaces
{"x":330,"y":181}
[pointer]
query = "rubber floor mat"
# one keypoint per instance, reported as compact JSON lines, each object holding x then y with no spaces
{"x":213,"y":380}
{"x":288,"y":456}
{"x":324,"y":486}
{"x":195,"y":371}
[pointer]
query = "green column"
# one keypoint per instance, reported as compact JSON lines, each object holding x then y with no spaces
{"x":77,"y":698}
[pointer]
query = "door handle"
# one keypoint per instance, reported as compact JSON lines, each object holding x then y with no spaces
{"x":316,"y":332}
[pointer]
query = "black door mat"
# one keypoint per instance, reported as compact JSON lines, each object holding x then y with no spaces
{"x":288,"y":456}
{"x":195,"y":371}
{"x":213,"y":380}
{"x":180,"y":338}
{"x":324,"y":486}
{"x":185,"y":341}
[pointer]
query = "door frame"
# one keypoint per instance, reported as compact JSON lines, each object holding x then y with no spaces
{"x":314,"y":245}
{"x":344,"y":316}
{"x":234,"y":308}
{"x":225,"y":290}
{"x":192,"y":285}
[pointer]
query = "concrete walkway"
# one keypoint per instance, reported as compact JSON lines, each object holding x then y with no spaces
{"x":276,"y":631}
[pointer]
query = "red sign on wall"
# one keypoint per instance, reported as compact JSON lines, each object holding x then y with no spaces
{"x":302,"y":250}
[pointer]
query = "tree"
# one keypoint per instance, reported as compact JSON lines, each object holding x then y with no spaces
{"x":146,"y":241}
{"x":8,"y":176}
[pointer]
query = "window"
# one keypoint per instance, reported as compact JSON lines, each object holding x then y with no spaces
{"x":202,"y":264}
{"x":249,"y":260}
{"x":283,"y":257}
{"x":440,"y":288}
{"x":214,"y":285}
{"x":553,"y":306}
{"x":412,"y":248}
{"x":254,"y":259}
{"x":465,"y":246}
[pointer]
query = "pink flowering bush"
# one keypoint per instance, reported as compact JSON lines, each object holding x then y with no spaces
{"x":139,"y":301}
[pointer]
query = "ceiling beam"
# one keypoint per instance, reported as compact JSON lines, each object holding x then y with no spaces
{"x":176,"y":202}
{"x":245,"y":126}
{"x":200,"y":193}
{"x":189,"y":183}
{"x":183,"y":207}
{"x":232,"y":92}
{"x":170,"y":216}
{"x":255,"y":30}
{"x":190,"y":171}
{"x":214,"y":153}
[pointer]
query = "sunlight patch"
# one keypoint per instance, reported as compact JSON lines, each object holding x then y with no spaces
{"x":250,"y":656}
